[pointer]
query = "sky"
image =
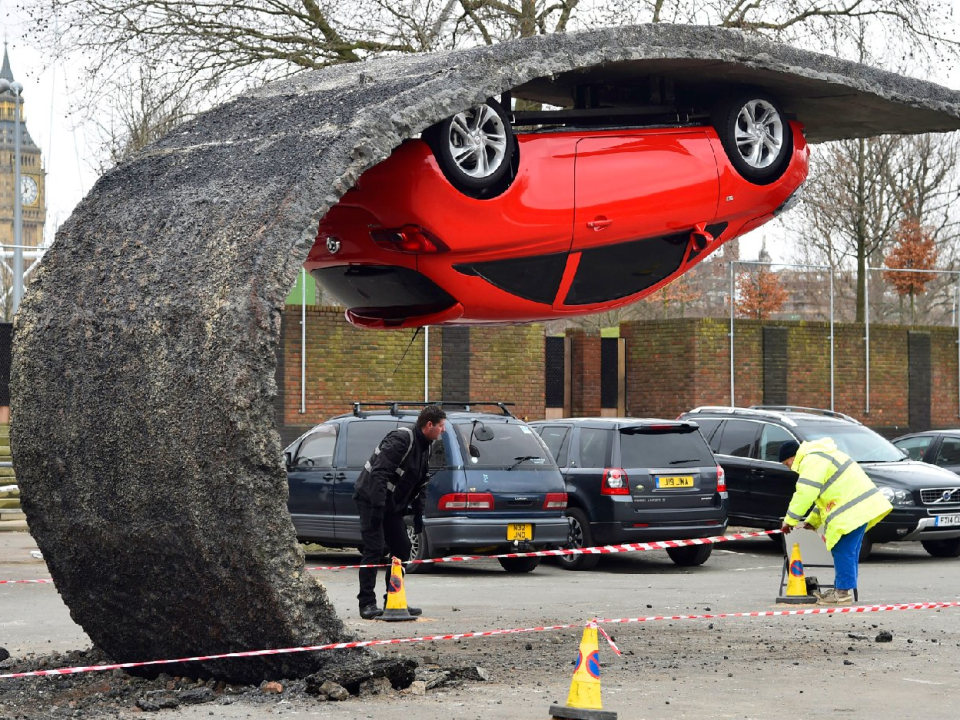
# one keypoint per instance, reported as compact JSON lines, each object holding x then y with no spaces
{"x":69,"y":150}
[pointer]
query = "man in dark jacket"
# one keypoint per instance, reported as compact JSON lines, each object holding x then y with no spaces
{"x":392,"y":480}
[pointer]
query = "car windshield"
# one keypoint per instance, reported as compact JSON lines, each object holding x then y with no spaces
{"x":505,"y":445}
{"x":860,"y":443}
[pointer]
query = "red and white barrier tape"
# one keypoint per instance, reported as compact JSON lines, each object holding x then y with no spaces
{"x":600,"y":550}
{"x":491,"y":633}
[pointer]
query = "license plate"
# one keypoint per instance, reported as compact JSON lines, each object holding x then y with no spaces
{"x":675,"y":481}
{"x":519,"y":531}
{"x":948,"y":520}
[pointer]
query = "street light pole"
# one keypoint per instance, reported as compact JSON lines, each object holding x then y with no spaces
{"x":16,"y":88}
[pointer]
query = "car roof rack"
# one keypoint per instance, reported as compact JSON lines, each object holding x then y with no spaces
{"x":753,"y":411}
{"x":395,"y":405}
{"x":812,"y":411}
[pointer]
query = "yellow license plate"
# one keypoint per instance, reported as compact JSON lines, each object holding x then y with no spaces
{"x":519,"y":531}
{"x":675,"y":481}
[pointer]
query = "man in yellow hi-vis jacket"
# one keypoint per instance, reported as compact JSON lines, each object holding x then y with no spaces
{"x":835,"y":494}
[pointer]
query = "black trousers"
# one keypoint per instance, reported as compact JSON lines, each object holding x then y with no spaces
{"x":382,"y":538}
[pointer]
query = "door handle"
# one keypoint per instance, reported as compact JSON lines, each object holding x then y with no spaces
{"x":328,"y":476}
{"x":341,"y":476}
{"x":600,"y":223}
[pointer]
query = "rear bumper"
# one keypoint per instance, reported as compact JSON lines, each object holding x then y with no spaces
{"x":617,"y":522}
{"x":462,"y":533}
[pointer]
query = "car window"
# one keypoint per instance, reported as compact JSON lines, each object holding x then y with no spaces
{"x":859,"y":442}
{"x":738,"y":438}
{"x":363,"y":437}
{"x":915,"y":446}
{"x":512,"y":444}
{"x":317,"y":448}
{"x":771,"y":438}
{"x":438,"y":452}
{"x":556,"y":438}
{"x":708,"y":426}
{"x":664,"y":449}
{"x":949,"y":452}
{"x":595,"y":447}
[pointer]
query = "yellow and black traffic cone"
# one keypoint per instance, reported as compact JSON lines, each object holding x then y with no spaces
{"x":395,"y":609}
{"x":583,"y":702}
{"x":796,"y":582}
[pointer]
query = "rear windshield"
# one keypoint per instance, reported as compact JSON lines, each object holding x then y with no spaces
{"x":664,"y":449}
{"x":513,"y":445}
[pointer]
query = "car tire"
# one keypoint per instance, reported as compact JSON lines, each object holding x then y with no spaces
{"x":865,"y":549}
{"x":690,"y":556}
{"x":579,"y":536}
{"x":755,"y":134}
{"x":519,"y":565}
{"x":942,"y":548}
{"x":487,"y":170}
{"x":419,"y":550}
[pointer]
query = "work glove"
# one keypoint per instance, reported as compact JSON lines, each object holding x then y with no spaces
{"x":418,"y":524}
{"x":785,"y":529}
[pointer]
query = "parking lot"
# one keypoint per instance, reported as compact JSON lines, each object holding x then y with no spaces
{"x":737,"y":667}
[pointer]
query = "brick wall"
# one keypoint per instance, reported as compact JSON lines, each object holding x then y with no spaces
{"x":671,"y":366}
{"x":346,"y":364}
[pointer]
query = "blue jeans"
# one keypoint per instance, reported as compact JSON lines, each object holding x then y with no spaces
{"x":846,"y":557}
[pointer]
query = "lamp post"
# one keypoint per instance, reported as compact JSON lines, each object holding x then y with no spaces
{"x":17,"y":89}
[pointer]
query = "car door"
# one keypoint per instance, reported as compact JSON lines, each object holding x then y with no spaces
{"x":310,"y":478}
{"x":362,"y":438}
{"x":734,"y":444}
{"x":630,"y":190}
{"x":773,"y":483}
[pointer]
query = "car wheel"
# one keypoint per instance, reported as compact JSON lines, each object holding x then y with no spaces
{"x":578,"y":536}
{"x":419,"y":550}
{"x":519,"y":565}
{"x":942,"y":548}
{"x":474,"y":149}
{"x":755,"y":134}
{"x":690,"y":556}
{"x":865,"y":549}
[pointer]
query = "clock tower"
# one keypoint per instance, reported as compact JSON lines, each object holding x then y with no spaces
{"x":32,"y":195}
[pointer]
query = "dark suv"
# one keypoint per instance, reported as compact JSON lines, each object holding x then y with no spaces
{"x":637,"y":480}
{"x":926,"y":499}
{"x":495,"y":487}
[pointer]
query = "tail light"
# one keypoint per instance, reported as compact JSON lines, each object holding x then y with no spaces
{"x":615,"y":482}
{"x":721,"y":479}
{"x":467,"y":501}
{"x":555,"y":501}
{"x":408,"y":239}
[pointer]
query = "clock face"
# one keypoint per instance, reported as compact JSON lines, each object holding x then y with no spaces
{"x":28,"y":190}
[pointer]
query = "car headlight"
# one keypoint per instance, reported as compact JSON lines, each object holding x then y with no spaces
{"x":897,"y":496}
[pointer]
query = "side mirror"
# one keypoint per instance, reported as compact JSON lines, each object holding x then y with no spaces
{"x":288,"y":460}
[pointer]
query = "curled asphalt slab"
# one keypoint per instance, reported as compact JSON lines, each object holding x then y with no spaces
{"x":145,"y":350}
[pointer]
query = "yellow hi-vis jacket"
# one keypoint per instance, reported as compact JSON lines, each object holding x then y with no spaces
{"x":839,"y":492}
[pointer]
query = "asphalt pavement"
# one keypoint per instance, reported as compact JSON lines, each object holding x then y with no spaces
{"x":737,"y":667}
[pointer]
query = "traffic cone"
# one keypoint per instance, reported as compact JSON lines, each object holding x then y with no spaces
{"x":583,"y":702}
{"x":395,"y":609}
{"x":796,"y":582}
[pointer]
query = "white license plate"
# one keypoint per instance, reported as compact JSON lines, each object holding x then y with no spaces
{"x":948,"y":520}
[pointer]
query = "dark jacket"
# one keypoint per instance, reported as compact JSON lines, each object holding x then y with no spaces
{"x":391,"y":481}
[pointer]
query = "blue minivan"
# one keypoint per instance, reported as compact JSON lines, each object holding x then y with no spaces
{"x":495,"y":486}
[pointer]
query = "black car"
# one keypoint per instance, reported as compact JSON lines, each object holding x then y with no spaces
{"x":937,"y":447}
{"x":495,"y":487}
{"x":637,"y":480}
{"x":925,"y":499}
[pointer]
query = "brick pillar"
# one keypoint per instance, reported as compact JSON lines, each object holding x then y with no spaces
{"x":584,"y":372}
